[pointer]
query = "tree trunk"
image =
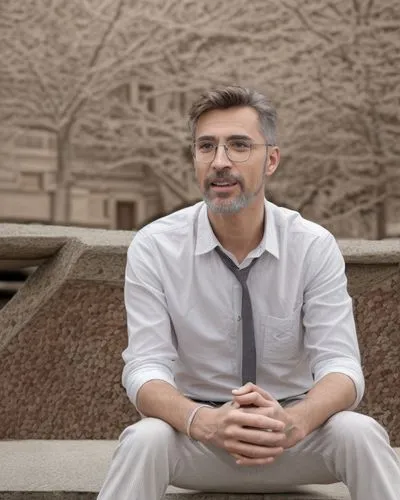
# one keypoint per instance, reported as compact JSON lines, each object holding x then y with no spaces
{"x":61,"y":208}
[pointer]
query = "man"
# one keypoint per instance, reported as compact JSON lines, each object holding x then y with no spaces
{"x":242,"y":351}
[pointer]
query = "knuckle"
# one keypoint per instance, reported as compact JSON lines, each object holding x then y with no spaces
{"x":227,"y":443}
{"x":229,"y":432}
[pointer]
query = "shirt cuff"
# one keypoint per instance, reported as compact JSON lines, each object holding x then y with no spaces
{"x":354,"y":373}
{"x":134,"y":382}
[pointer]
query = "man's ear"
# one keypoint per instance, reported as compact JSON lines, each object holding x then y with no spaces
{"x":274,"y":156}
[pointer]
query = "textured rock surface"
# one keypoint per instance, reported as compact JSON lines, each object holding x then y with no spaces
{"x":63,"y":495}
{"x":62,"y":335}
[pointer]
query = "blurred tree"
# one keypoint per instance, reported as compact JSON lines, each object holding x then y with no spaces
{"x":341,"y":112}
{"x":113,"y":80}
{"x":60,"y":59}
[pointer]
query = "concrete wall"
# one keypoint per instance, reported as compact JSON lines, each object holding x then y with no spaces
{"x":62,"y":335}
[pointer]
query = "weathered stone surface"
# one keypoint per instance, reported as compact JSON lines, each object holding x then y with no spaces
{"x":46,"y":495}
{"x":62,"y":335}
{"x":377,"y":313}
{"x":60,"y":374}
{"x":68,"y":495}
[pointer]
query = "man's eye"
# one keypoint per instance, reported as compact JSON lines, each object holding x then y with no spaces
{"x":205,"y":147}
{"x":239,"y":145}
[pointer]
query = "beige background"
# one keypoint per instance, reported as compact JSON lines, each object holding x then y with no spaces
{"x":95,"y":94}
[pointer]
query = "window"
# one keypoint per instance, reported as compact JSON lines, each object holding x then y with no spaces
{"x":126,"y":215}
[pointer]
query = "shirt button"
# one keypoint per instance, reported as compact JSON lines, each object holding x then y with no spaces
{"x":239,"y":318}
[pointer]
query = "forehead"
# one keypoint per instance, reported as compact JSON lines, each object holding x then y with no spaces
{"x":230,"y":121}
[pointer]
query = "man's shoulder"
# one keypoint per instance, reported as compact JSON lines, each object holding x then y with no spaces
{"x":294,"y":225}
{"x":177,"y":223}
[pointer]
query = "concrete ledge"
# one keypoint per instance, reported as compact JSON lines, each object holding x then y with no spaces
{"x":75,"y":470}
{"x":62,"y":334}
{"x":20,"y":242}
{"x":66,"y":495}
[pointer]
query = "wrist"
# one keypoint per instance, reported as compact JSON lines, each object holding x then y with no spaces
{"x":298,"y":420}
{"x":200,"y":427}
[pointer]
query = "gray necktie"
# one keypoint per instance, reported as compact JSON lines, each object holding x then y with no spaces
{"x":249,"y":360}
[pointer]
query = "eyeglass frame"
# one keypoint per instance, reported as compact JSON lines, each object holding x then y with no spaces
{"x":225,"y":146}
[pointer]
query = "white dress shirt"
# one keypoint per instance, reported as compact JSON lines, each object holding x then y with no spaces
{"x":183,"y":308}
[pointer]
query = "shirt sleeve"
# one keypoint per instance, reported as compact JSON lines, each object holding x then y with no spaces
{"x":151,"y":351}
{"x":330,"y":332}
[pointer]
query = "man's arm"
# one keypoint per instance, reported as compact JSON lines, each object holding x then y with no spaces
{"x":150,"y":353}
{"x":333,"y":393}
{"x":159,"y":399}
{"x":330,"y":339}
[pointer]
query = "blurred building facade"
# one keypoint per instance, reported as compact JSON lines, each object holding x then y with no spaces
{"x":116,"y":198}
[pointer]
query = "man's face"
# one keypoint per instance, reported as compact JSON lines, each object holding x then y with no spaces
{"x":228,"y":185}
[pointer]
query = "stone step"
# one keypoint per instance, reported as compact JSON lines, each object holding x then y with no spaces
{"x":75,"y":470}
{"x":315,"y":493}
{"x":62,"y":495}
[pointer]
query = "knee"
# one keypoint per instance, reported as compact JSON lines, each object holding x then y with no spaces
{"x":350,"y":426}
{"x":148,"y":433}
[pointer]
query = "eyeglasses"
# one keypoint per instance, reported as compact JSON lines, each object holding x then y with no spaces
{"x":236,"y":150}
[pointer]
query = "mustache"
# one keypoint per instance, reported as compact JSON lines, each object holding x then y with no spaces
{"x":223,"y":176}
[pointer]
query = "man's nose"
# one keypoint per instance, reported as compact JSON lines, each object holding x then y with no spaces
{"x":221,"y":159}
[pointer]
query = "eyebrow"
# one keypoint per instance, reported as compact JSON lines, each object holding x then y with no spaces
{"x":230,"y":137}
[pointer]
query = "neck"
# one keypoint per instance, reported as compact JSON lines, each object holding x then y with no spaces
{"x":239,"y":233}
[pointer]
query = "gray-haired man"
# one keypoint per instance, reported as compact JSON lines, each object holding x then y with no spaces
{"x":247,"y":376}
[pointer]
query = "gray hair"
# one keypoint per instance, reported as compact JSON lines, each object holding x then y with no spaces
{"x":233,"y":95}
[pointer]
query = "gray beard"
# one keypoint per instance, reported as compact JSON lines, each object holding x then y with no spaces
{"x":230,"y":206}
{"x":233,"y":206}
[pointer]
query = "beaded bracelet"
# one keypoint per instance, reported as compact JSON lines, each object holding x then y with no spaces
{"x":191,"y":418}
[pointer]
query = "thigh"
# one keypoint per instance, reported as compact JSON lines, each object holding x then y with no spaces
{"x":206,"y":468}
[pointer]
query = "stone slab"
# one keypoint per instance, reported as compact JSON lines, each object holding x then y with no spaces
{"x":75,"y":470}
{"x":62,"y":495}
{"x":41,"y":241}
{"x":62,"y":334}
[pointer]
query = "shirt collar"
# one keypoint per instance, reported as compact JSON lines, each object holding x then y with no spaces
{"x":206,"y":240}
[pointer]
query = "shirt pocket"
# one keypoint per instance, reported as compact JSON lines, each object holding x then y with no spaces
{"x":282,"y":337}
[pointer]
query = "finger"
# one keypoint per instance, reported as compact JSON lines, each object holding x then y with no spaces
{"x":263,"y":393}
{"x":271,"y":411}
{"x":254,"y":461}
{"x":260,"y":438}
{"x":244,"y":389}
{"x":248,"y":419}
{"x":252,"y":451}
{"x":253,"y":398}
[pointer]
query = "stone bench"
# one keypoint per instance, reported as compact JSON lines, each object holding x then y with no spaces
{"x":75,"y":470}
{"x":62,"y":334}
{"x":61,"y":338}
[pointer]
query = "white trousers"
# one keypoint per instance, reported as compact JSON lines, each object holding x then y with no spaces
{"x":349,"y":447}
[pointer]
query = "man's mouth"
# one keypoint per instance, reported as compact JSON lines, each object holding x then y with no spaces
{"x":219,"y":183}
{"x":223,"y":183}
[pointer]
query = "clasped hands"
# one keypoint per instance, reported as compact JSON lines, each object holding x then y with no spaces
{"x":254,"y":428}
